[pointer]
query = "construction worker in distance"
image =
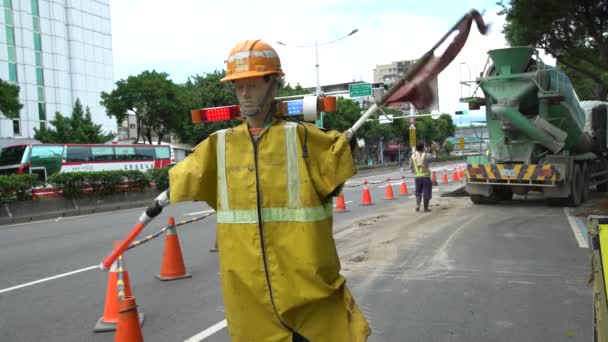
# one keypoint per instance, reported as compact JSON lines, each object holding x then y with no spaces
{"x":271,"y":182}
{"x":422,"y":174}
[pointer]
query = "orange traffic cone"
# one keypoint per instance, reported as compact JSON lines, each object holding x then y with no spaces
{"x":340,"y":204}
{"x":128,"y":329}
{"x":389,"y":190}
{"x":434,"y":179}
{"x":172,"y":266}
{"x":455,"y":175}
{"x":367,"y":197}
{"x":462,"y":175}
{"x":403,"y":190}
{"x":444,"y":177}
{"x":118,"y":286}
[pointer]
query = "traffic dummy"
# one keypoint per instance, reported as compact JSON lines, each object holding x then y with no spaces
{"x":271,"y":183}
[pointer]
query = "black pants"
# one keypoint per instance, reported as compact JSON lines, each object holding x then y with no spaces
{"x":424,"y":188}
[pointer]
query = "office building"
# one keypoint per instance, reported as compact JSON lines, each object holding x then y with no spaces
{"x":56,"y":51}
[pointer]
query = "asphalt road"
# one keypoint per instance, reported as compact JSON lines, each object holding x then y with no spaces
{"x":512,"y":272}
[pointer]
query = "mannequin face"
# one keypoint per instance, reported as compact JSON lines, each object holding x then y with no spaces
{"x":251,"y":93}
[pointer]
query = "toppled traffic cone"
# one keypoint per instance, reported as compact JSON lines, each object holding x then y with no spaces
{"x":444,"y":177}
{"x":340,"y":204}
{"x":389,"y":190}
{"x":118,"y":286}
{"x":128,"y":328}
{"x":434,"y":179}
{"x":403,"y":190}
{"x":172,"y":266}
{"x":367,"y":197}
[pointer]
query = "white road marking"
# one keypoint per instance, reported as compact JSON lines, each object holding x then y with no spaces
{"x":49,"y":278}
{"x":582,"y":242}
{"x":208,"y":332}
{"x":345,"y":203}
{"x":200,"y":212}
{"x":345,"y":232}
{"x":413,"y":196}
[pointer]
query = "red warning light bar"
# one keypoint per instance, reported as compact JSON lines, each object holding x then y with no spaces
{"x":215,"y":114}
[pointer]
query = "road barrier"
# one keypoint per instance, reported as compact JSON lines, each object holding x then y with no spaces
{"x":340,"y":204}
{"x":367,"y":197}
{"x":389,"y":190}
{"x":118,"y":287}
{"x":403,"y":189}
{"x":120,"y":310}
{"x":597,"y":227}
{"x":129,"y":329}
{"x":172,"y":266}
{"x":433,"y":179}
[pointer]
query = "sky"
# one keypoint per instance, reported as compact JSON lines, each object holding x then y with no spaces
{"x":189,"y":37}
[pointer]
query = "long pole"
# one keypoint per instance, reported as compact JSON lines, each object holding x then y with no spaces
{"x":317,"y":65}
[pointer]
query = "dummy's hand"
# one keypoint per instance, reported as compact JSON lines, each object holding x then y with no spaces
{"x":159,"y":203}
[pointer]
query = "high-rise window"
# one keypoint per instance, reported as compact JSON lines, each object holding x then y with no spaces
{"x":10,"y":41}
{"x":16,"y":127}
{"x":39,"y":64}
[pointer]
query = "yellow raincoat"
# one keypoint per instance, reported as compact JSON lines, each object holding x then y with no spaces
{"x":278,"y":261}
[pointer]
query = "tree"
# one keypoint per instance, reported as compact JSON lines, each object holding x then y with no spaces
{"x":574,"y":32}
{"x":78,"y":128}
{"x":346,"y":114}
{"x":152,"y":97}
{"x":203,"y":91}
{"x":9,"y":100}
{"x":287,"y":90}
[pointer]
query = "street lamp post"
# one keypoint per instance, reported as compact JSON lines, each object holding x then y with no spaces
{"x":318,"y":88}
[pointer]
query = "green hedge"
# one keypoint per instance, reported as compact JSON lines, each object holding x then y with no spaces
{"x":17,"y":187}
{"x":102,"y":182}
{"x":160,"y":177}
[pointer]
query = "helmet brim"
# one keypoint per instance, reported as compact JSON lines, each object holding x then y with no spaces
{"x":250,"y":74}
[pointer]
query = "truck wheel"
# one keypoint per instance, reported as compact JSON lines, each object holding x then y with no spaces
{"x":503,"y":194}
{"x":481,"y":199}
{"x":576,"y":187}
{"x":556,"y":202}
{"x":477,"y":199}
{"x":586,"y":176}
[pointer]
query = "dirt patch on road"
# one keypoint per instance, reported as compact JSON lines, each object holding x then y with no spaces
{"x":460,"y":192}
{"x":372,"y":245}
{"x":594,"y":207}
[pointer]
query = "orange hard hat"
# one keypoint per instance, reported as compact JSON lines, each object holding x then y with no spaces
{"x":252,"y":58}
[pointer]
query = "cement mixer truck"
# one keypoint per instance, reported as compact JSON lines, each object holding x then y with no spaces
{"x":541,"y":137}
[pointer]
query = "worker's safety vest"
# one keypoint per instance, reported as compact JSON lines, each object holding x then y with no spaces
{"x":420,"y":169}
{"x":279,"y":268}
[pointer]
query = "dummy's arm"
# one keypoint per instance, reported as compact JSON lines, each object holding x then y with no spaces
{"x":146,"y":217}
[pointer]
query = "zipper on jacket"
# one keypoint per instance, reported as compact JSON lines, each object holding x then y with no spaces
{"x":261,"y":231}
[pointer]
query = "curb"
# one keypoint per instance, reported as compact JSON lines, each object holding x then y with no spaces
{"x":50,"y":208}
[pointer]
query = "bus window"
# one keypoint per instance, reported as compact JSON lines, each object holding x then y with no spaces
{"x":125,"y":153}
{"x":78,"y":154}
{"x":46,"y":158}
{"x":13,"y":155}
{"x":102,"y":153}
{"x":162,"y":152}
{"x":144,"y":153}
